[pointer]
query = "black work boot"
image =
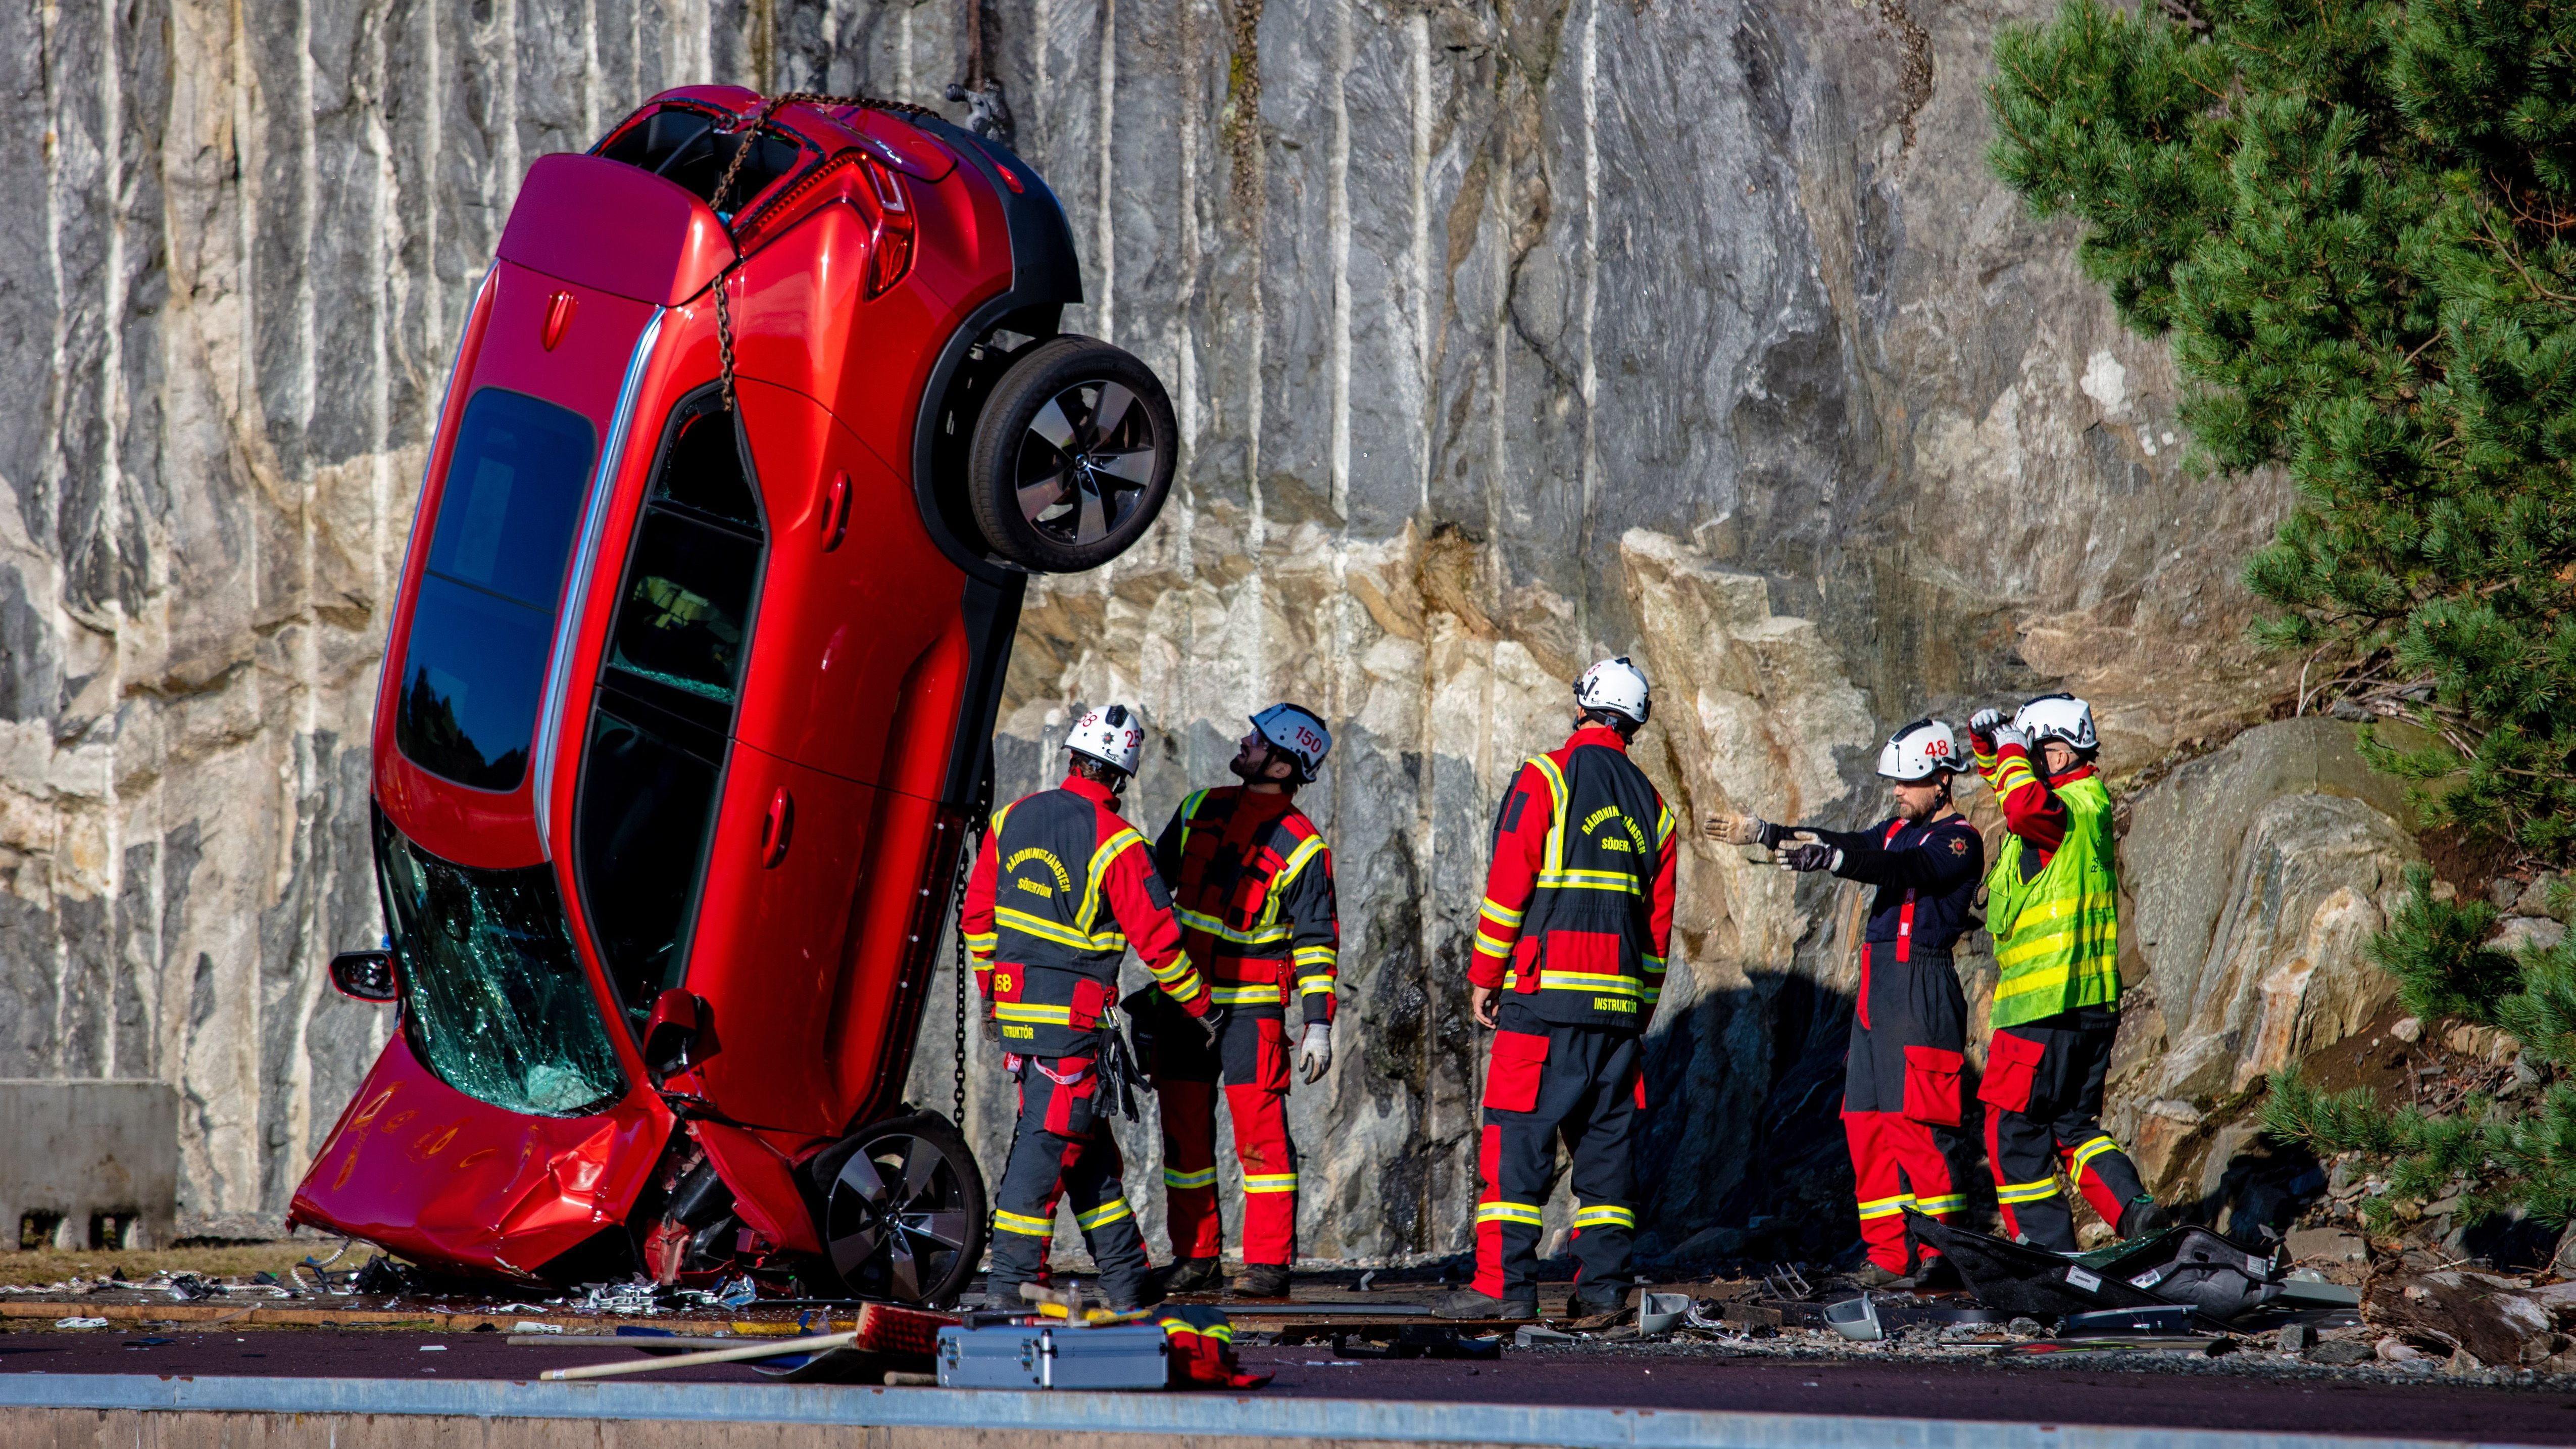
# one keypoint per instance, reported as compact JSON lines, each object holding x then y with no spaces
{"x":1262,"y":1280}
{"x":1468,"y":1303}
{"x":1190,"y":1275}
{"x":1598,"y":1298}
{"x":1937,"y":1275}
{"x":2142,"y":1217}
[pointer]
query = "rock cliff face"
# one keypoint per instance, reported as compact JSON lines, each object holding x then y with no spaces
{"x":1502,"y":337}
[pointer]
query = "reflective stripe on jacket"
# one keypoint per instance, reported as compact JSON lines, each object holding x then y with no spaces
{"x":1062,"y":887}
{"x":1578,"y":903}
{"x":2057,"y":934}
{"x":1252,"y":886}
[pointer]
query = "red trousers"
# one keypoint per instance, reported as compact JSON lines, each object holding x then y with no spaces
{"x":1903,"y":1111}
{"x":1252,"y":1060}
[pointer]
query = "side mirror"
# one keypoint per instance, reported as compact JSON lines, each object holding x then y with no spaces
{"x":673,"y":1033}
{"x":364,"y":975}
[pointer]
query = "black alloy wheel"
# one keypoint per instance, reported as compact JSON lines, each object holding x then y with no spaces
{"x":1073,"y":456}
{"x":904,"y":1219}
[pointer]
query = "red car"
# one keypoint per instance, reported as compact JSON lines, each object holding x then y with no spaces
{"x":757,"y":426}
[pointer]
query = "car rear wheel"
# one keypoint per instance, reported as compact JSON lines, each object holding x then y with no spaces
{"x":904,"y":1218}
{"x":1073,"y":456}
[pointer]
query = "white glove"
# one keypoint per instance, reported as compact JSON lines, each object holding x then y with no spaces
{"x":1986,"y":722}
{"x":1315,"y":1051}
{"x":1735,"y":829}
{"x":2007,"y":735}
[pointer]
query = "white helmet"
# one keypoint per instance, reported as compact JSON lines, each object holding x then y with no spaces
{"x":1616,"y":684}
{"x":1296,"y":730}
{"x":2057,"y":717}
{"x":1112,"y":736}
{"x":1920,"y":751}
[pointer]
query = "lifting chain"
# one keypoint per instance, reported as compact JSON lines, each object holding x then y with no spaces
{"x":733,"y":170}
{"x":957,"y":929}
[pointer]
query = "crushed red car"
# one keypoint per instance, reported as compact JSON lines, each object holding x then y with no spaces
{"x":758,"y":425}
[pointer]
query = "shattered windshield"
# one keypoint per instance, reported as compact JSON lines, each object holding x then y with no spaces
{"x":494,"y":999}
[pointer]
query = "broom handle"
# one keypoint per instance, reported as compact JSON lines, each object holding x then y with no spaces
{"x":774,"y":1348}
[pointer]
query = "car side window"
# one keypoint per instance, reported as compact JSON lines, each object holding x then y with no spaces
{"x":648,"y":797}
{"x":654,"y":761}
{"x":483,"y":616}
{"x":682,"y":617}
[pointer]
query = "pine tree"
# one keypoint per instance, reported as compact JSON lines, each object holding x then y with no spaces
{"x":2355,"y":223}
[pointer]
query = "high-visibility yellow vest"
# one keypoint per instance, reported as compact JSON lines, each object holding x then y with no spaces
{"x":2057,"y":935}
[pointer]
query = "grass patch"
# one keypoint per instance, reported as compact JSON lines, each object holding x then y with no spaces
{"x":44,"y":1266}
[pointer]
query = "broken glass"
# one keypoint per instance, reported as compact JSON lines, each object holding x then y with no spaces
{"x":494,"y":999}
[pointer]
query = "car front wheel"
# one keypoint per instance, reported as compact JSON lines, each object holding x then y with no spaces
{"x":1073,"y":456}
{"x":904,"y":1215}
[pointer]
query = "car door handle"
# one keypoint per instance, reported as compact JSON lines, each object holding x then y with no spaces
{"x":776,"y":828}
{"x":832,"y":515}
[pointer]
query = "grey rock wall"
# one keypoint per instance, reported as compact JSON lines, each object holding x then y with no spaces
{"x":1502,"y":336}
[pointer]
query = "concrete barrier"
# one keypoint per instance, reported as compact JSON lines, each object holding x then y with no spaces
{"x":78,"y":1151}
{"x":123,"y":1411}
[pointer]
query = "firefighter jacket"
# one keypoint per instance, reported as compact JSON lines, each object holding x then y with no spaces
{"x":1926,"y":873}
{"x":1578,"y":910}
{"x":1061,"y":888}
{"x":2053,"y":896}
{"x":1252,"y":884}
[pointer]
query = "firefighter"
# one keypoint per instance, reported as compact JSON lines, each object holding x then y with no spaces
{"x":2052,"y":902}
{"x":1252,"y":884}
{"x":1061,"y":889}
{"x":1568,"y":964}
{"x":1902,"y":1104}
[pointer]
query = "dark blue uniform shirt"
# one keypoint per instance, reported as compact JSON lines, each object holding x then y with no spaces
{"x":1941,"y":862}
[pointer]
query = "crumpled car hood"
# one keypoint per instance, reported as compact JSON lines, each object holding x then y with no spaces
{"x":443,"y":1179}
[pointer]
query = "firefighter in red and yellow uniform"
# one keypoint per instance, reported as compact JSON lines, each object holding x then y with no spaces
{"x":1577,"y":919}
{"x":1903,"y":1107}
{"x":1060,"y":890}
{"x":2053,"y":906}
{"x":1252,"y":883}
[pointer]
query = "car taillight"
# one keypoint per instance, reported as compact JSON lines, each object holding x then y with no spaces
{"x":891,"y":251}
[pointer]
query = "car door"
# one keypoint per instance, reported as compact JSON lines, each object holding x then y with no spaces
{"x":770,"y":940}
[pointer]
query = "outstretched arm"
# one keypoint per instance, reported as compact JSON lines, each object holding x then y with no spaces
{"x":1929,"y":865}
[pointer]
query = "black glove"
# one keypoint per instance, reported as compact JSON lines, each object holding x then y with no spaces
{"x":1813,"y":855}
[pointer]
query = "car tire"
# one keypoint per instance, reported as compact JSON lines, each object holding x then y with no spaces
{"x":1073,"y":456}
{"x":950,"y":1201}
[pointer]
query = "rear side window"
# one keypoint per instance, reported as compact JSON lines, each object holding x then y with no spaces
{"x":681,"y":144}
{"x":654,"y":761}
{"x":482,"y":622}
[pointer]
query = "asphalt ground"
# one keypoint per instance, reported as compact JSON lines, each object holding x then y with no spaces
{"x":2089,"y":1393}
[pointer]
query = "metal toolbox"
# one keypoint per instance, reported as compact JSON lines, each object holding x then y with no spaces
{"x":1051,"y":1356}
